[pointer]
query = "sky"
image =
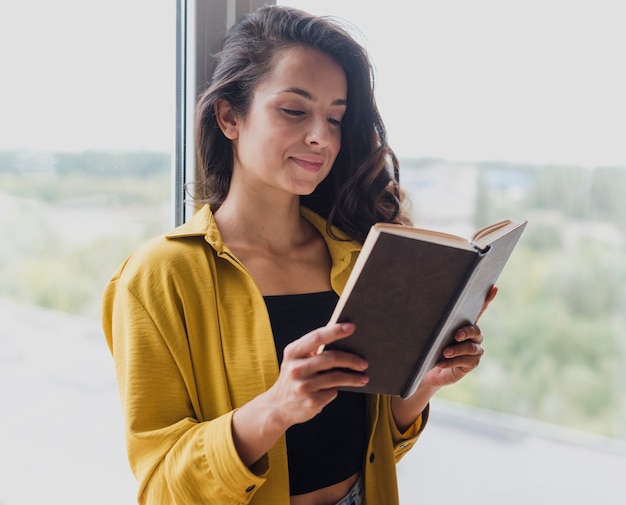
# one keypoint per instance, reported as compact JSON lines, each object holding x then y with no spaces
{"x":538,"y":81}
{"x":83,"y":75}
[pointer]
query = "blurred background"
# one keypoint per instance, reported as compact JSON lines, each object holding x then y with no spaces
{"x":496,"y":110}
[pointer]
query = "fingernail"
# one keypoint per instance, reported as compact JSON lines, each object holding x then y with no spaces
{"x":347,"y":327}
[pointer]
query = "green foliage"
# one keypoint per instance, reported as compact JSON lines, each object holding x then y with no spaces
{"x":93,"y":163}
{"x":65,"y":233}
{"x":555,"y":347}
{"x":69,"y":280}
{"x":590,"y":281}
{"x":608,"y":195}
{"x":575,"y":192}
{"x":86,"y":189}
{"x":114,"y":178}
{"x":543,"y":236}
{"x":110,"y":164}
{"x":546,"y":361}
{"x":482,"y":206}
{"x":562,"y":188}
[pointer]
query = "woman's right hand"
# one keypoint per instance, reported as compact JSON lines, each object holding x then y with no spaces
{"x":308,"y":381}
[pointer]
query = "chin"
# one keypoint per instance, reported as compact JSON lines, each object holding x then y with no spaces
{"x":305,"y":189}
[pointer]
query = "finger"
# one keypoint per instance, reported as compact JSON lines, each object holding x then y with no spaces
{"x":466,"y":362}
{"x":490,"y":296}
{"x":333,"y":359}
{"x":336,"y":378}
{"x":471,"y":332}
{"x":468,"y":348}
{"x":311,"y":365}
{"x":314,"y":341}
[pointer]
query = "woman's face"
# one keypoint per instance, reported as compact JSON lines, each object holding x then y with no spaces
{"x":290,"y":136}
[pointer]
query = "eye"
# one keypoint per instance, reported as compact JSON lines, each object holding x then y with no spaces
{"x":335,"y":122}
{"x":293,"y":112}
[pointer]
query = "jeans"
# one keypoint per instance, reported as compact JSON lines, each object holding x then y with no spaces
{"x":355,"y":495}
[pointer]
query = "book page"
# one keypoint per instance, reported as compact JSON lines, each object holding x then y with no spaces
{"x":487,"y":235}
{"x":436,"y":237}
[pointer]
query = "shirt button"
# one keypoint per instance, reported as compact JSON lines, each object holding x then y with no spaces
{"x":372,"y":457}
{"x":250,"y":488}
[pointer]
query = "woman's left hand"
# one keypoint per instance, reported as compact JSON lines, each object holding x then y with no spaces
{"x":458,"y":360}
{"x":462,"y":356}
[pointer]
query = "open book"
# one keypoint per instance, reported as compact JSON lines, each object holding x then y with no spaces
{"x":410,"y":290}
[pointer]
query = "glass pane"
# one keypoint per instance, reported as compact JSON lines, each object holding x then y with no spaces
{"x":501,"y":109}
{"x":86,"y":136}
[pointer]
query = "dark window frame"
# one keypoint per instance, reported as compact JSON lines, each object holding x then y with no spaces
{"x":200,"y":29}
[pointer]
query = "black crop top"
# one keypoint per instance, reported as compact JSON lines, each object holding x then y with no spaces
{"x":330,"y":447}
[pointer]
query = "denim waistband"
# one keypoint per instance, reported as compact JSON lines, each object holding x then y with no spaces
{"x":355,"y":495}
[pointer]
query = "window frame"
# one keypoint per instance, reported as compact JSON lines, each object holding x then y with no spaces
{"x":200,"y":29}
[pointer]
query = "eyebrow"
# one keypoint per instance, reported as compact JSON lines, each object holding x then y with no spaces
{"x":305,"y":94}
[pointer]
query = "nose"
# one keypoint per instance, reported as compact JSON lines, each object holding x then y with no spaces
{"x":318,"y":133}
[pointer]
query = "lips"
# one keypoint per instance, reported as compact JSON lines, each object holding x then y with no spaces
{"x":309,"y":163}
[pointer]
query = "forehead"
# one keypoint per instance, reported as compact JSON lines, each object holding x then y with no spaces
{"x":306,"y":68}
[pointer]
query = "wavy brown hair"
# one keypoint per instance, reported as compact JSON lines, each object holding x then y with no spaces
{"x":363,"y":185}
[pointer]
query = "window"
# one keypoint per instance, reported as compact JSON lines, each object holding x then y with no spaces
{"x":86,"y":141}
{"x":495,"y":109}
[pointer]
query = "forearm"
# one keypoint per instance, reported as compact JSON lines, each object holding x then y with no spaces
{"x":406,"y":411}
{"x":256,"y":428}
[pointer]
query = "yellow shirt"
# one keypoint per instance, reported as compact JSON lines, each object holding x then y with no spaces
{"x":192,"y":341}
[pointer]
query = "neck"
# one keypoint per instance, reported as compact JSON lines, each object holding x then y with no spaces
{"x":247,"y":220}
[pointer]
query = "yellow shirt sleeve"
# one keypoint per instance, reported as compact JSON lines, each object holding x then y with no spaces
{"x":175,"y":458}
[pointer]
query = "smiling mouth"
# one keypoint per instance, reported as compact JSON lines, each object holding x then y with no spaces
{"x":308,"y":165}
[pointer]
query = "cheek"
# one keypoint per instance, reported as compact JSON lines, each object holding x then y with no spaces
{"x":336,"y":145}
{"x":251,"y":141}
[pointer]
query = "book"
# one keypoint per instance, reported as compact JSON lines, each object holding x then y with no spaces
{"x":410,"y":290}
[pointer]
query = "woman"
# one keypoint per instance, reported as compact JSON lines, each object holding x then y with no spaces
{"x":215,"y":327}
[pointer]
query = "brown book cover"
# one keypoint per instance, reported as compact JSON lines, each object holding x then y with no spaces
{"x":409,"y":292}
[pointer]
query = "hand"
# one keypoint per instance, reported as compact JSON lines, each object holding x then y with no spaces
{"x":309,"y":379}
{"x":461,"y":357}
{"x":307,"y":382}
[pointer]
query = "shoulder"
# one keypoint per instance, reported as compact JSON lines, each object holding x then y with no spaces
{"x":162,"y":253}
{"x":160,"y":272}
{"x":179,"y":256}
{"x":342,"y":249}
{"x":336,"y":240}
{"x":166,"y":277}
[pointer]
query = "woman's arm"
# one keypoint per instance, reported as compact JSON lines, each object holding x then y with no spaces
{"x":177,"y":458}
{"x":174,"y":456}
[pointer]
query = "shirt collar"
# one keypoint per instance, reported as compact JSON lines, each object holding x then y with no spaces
{"x":201,"y":224}
{"x":342,"y":251}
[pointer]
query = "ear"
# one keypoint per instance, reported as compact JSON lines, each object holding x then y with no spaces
{"x":226,"y":119}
